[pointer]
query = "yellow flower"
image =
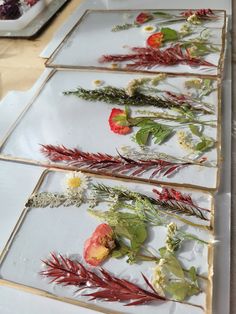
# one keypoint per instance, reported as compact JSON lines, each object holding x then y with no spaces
{"x":193,"y":19}
{"x":76,"y":181}
{"x":97,"y":82}
{"x":185,"y":141}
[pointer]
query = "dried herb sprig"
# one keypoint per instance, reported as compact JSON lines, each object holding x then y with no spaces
{"x":115,"y":164}
{"x":119,"y":96}
{"x":67,"y":272}
{"x":143,"y":57}
{"x":114,"y":95}
{"x":45,"y":199}
{"x":169,"y":200}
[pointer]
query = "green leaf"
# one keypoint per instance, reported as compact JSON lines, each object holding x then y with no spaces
{"x":192,"y":274}
{"x":162,"y":251}
{"x":178,"y":290}
{"x":127,"y":111}
{"x":162,"y":14}
{"x":173,"y":266}
{"x":195,"y":130}
{"x":169,"y":34}
{"x":158,"y":131}
{"x":201,"y":49}
{"x":132,"y":228}
{"x":141,"y":137}
{"x":120,"y":251}
{"x":205,"y":144}
{"x":121,"y":119}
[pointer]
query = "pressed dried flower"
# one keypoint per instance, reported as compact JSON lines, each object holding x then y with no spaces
{"x":185,"y":141}
{"x":193,"y":19}
{"x":149,"y":28}
{"x":118,"y":122}
{"x":99,"y":245}
{"x":143,"y":17}
{"x":196,"y":83}
{"x":135,"y":84}
{"x":76,"y":181}
{"x":114,"y":65}
{"x":155,"y":40}
{"x":97,"y":82}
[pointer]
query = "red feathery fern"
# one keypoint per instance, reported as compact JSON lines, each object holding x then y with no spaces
{"x":201,"y":13}
{"x":150,"y":57}
{"x":67,"y":272}
{"x":175,"y":200}
{"x":115,"y":164}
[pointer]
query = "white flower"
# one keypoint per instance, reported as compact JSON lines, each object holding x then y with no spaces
{"x":149,"y":29}
{"x":193,"y":19}
{"x":76,"y":181}
{"x":97,"y":82}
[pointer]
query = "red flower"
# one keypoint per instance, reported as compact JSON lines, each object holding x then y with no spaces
{"x":31,"y":2}
{"x":99,"y":245}
{"x":118,"y":121}
{"x":155,"y":40}
{"x":143,"y":17}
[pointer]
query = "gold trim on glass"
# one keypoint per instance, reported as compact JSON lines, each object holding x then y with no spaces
{"x":49,"y":61}
{"x":64,"y":166}
{"x":40,"y":292}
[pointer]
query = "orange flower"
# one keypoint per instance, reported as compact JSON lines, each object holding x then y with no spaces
{"x":99,"y":245}
{"x":155,"y":40}
{"x":118,"y":122}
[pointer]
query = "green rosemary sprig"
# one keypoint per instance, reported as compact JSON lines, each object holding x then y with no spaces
{"x":114,"y":95}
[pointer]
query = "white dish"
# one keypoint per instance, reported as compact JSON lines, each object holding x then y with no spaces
{"x":25,"y":18}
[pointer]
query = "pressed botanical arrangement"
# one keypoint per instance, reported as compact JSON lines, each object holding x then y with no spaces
{"x":167,"y":46}
{"x":127,"y":218}
{"x":145,"y":92}
{"x":160,"y":39}
{"x":106,"y":240}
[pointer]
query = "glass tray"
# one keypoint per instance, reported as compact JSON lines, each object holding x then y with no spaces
{"x":64,"y":230}
{"x":94,"y":30}
{"x":56,"y":119}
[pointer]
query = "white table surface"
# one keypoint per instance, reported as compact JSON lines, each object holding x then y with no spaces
{"x":13,"y":301}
